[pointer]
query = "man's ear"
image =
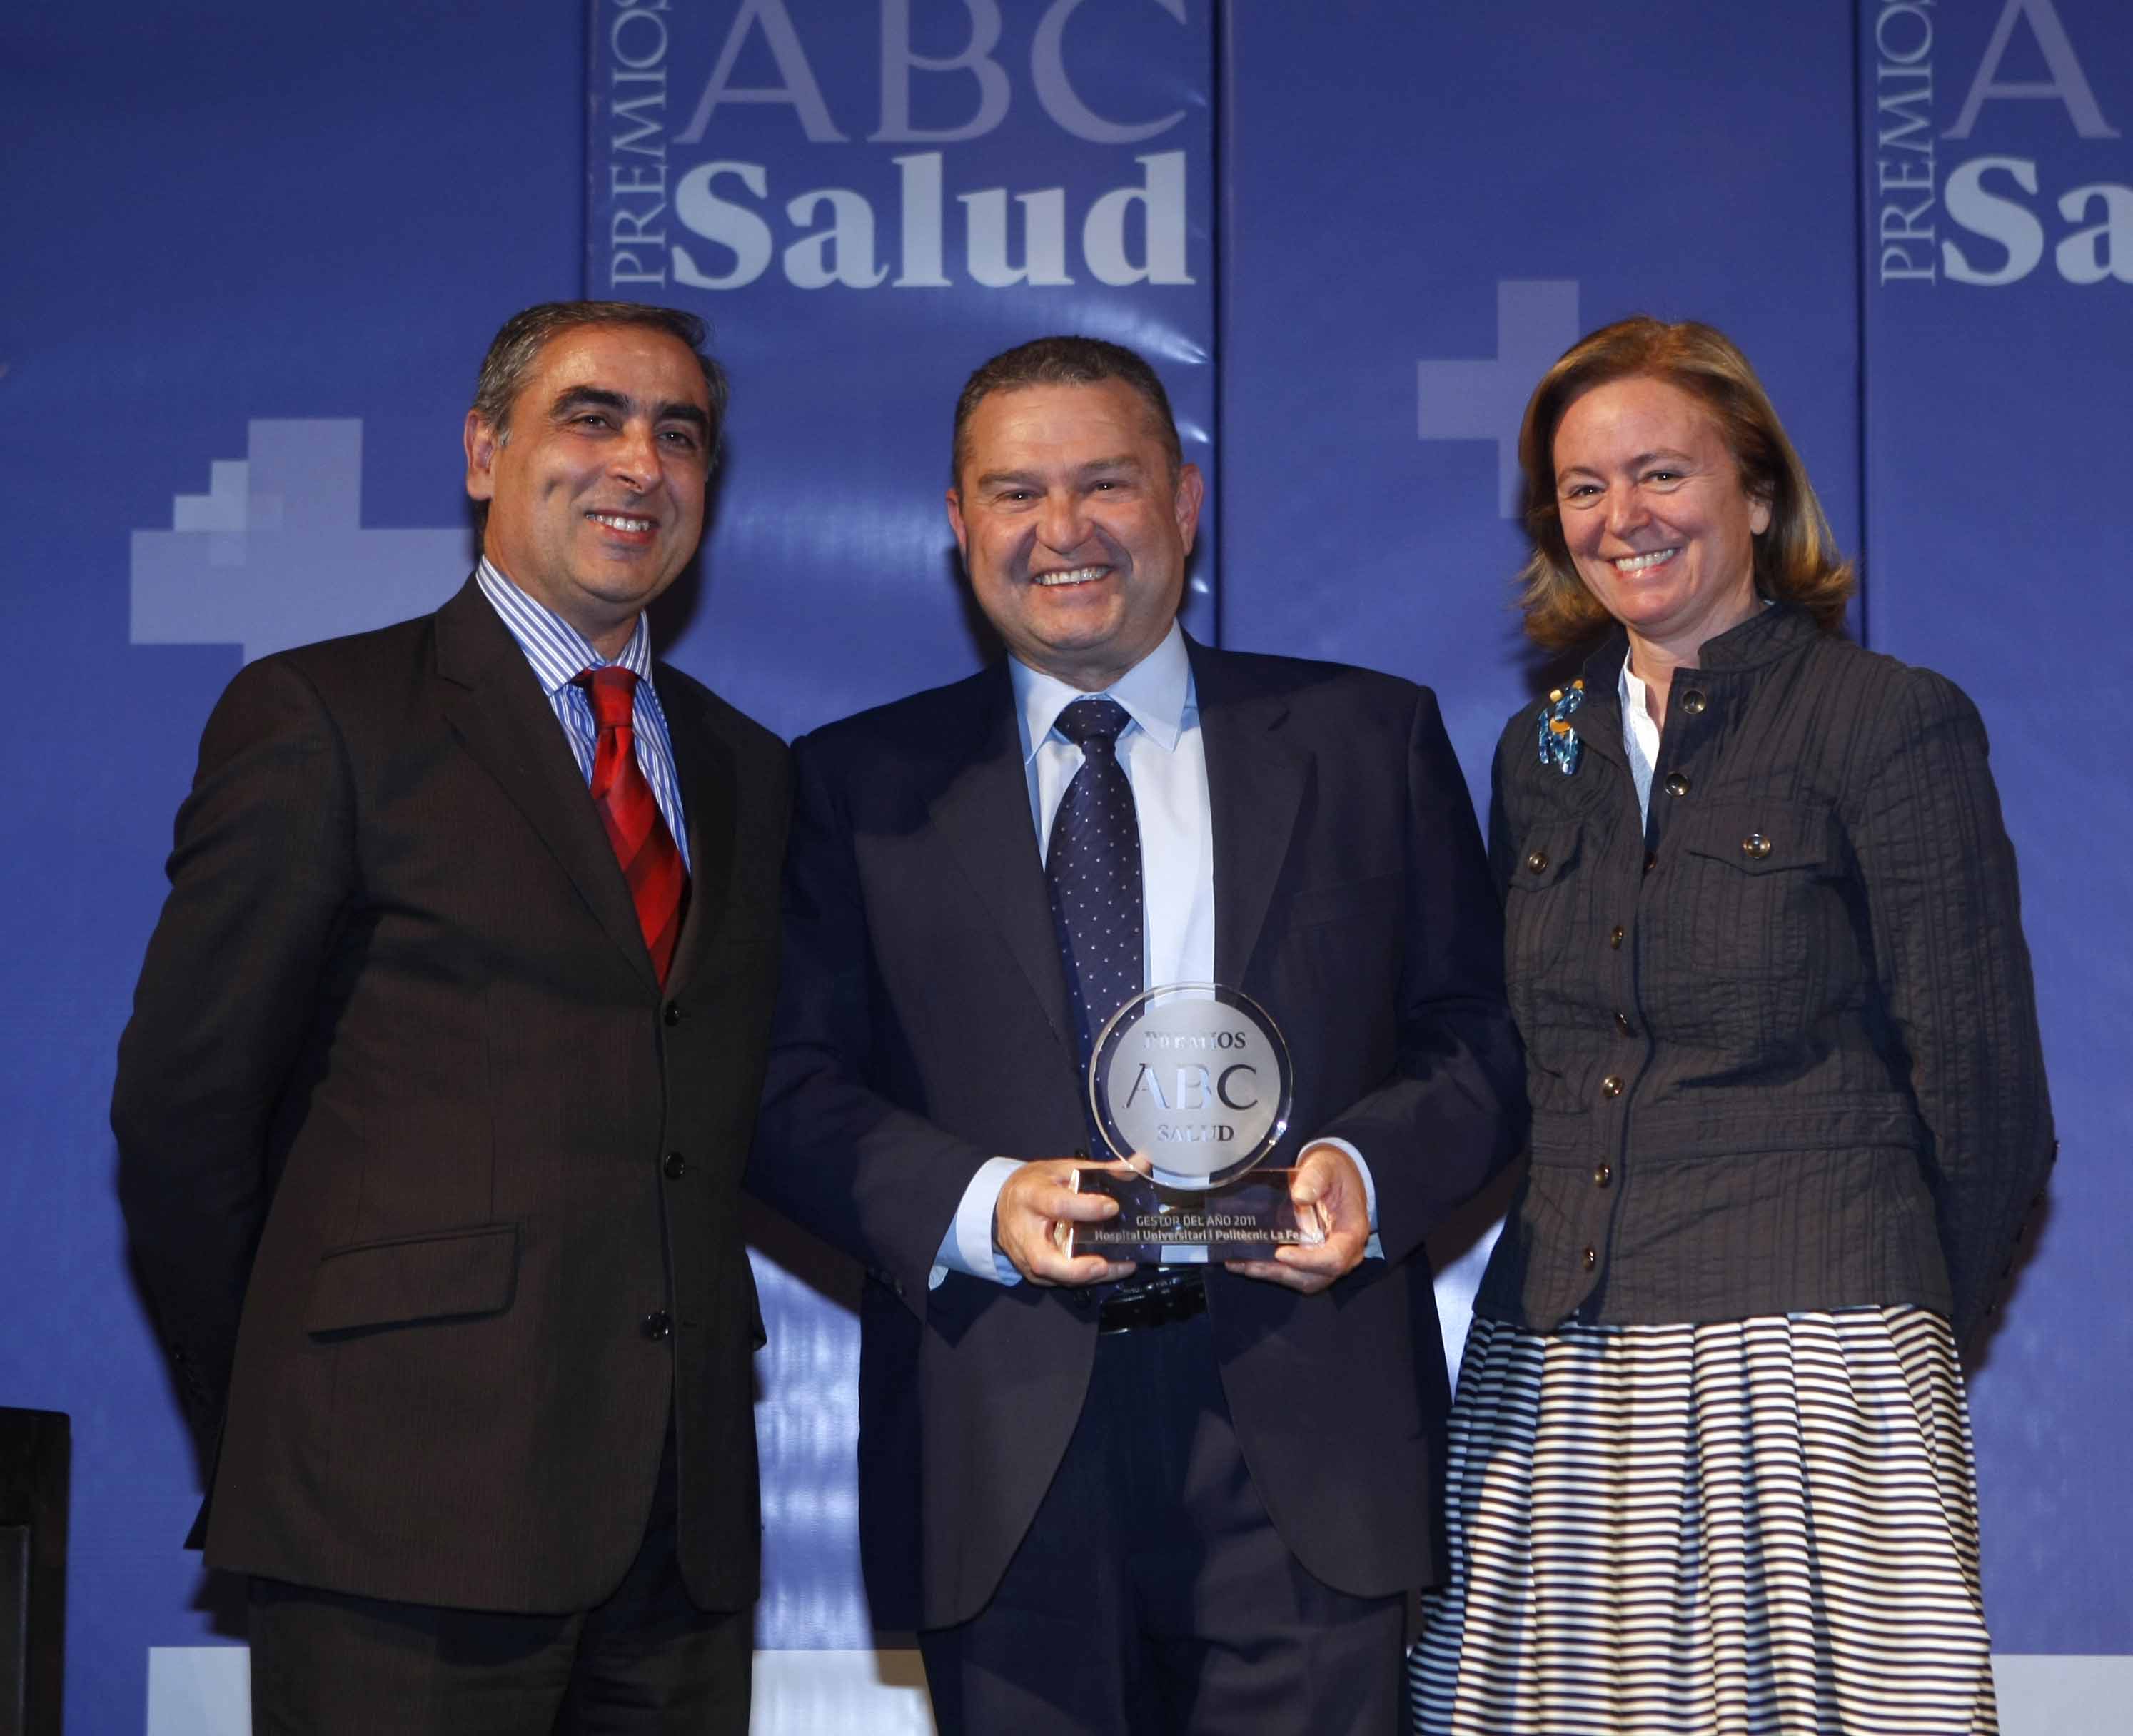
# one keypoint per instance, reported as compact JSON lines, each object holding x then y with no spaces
{"x":1185,"y":505}
{"x":482,"y":442}
{"x":956,"y":524}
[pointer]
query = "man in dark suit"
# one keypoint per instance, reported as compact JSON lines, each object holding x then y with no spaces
{"x":1111,"y":1498}
{"x":440,"y":1074}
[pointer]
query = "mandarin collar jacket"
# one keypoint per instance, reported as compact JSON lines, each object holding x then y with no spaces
{"x":1782,"y":1038}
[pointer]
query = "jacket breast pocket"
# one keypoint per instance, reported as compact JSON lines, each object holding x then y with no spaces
{"x":1761,"y":915}
{"x":456,"y":1274}
{"x":1543,"y":900}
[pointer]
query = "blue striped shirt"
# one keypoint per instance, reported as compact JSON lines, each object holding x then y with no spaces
{"x":558,"y":651}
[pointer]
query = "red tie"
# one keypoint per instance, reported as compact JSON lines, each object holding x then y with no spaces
{"x":658,"y":884}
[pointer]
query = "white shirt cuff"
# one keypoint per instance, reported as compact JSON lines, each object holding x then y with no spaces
{"x":1373,"y":1249}
{"x":968,"y":1246}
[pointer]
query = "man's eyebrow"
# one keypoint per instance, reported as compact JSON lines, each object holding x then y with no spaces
{"x":681,"y":411}
{"x":576,"y":398}
{"x":588,"y":397}
{"x":1095,"y":466}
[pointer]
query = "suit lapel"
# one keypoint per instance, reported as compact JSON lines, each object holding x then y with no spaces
{"x":1255,"y":784}
{"x":982,"y":817}
{"x":497,"y":708}
{"x":704,"y":769}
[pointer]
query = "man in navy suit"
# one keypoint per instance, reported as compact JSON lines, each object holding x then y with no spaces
{"x":1116,"y":1499}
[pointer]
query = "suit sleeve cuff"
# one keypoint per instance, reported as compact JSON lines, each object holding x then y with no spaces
{"x":968,"y":1246}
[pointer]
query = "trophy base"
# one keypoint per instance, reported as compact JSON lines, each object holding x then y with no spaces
{"x":1245,"y":1219}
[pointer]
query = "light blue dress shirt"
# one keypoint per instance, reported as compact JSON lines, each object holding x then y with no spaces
{"x":1166,"y":763}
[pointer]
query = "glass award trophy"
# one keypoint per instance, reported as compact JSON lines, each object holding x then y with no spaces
{"x":1191,"y":1085}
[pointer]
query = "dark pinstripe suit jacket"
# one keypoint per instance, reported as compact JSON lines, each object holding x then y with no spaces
{"x":1782,"y":1042}
{"x":401,"y":1085}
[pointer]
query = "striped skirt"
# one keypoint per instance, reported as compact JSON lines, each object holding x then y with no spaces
{"x":1765,"y":1525}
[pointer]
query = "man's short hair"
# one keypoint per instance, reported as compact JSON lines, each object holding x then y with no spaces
{"x":1066,"y":361}
{"x":516,"y":348}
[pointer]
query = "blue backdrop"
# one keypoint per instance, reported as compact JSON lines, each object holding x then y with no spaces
{"x":255,"y":257}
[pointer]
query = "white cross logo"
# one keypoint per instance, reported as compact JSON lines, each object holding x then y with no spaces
{"x":274,"y":554}
{"x":1536,"y":321}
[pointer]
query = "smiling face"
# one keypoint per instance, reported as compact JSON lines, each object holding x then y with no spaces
{"x":596,"y":495}
{"x":1654,"y":514}
{"x":1072,"y":529}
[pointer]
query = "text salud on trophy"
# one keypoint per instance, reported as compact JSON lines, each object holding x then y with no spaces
{"x":1190,"y":1084}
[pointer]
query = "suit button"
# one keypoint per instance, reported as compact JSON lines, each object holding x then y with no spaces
{"x":672,"y":1015}
{"x":1676,"y":783}
{"x":675,"y":1166}
{"x":1537,"y":861}
{"x":1591,"y":1258}
{"x":1622,"y":1024}
{"x":1602,"y":1174}
{"x":1651,"y":860}
{"x":1611,"y":1085}
{"x":657,"y":1326}
{"x":1754,"y":847}
{"x":1614,"y":940}
{"x":1693,"y":702}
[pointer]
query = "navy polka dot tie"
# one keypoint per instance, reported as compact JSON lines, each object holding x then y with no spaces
{"x":1093,"y":867}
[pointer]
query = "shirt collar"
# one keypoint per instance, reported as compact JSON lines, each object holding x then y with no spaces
{"x":1630,"y":690}
{"x":557,"y":651}
{"x":1157,"y":692}
{"x":1640,"y":731}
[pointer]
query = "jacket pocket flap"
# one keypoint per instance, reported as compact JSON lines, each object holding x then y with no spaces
{"x":1545,"y":854}
{"x":458,"y":1273}
{"x":1762,"y":837}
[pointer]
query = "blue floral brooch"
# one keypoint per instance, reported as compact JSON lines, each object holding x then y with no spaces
{"x":1559,"y":745}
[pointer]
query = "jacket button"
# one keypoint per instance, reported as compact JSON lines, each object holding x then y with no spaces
{"x":657,"y":1326}
{"x":675,"y":1166}
{"x":1622,"y":1024}
{"x":1591,"y":1258}
{"x":1676,"y":783}
{"x":1602,"y":1174}
{"x":1611,"y":1085}
{"x":1651,"y":860}
{"x":1754,"y":847}
{"x":1614,"y":940}
{"x":1693,"y":702}
{"x":1537,"y":861}
{"x":672,"y":1015}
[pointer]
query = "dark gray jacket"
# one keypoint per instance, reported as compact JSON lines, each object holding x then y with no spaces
{"x":1781,"y":1041}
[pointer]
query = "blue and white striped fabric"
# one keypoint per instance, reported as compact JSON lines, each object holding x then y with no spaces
{"x":1756,"y":1527}
{"x":558,"y":651}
